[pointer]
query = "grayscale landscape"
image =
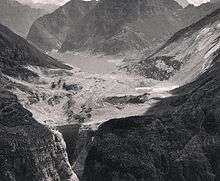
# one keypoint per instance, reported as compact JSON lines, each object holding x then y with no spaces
{"x":109,"y":90}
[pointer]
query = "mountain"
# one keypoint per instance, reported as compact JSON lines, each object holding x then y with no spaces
{"x":144,"y":25}
{"x":17,"y":16}
{"x":16,"y":54}
{"x":175,"y":58}
{"x":29,"y":150}
{"x":192,"y":14}
{"x":49,"y":31}
{"x":48,"y":8}
{"x":115,"y":26}
{"x":177,"y":138}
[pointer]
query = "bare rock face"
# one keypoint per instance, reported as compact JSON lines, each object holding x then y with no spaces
{"x":17,"y":16}
{"x":177,"y":139}
{"x":29,"y":151}
{"x":49,"y":31}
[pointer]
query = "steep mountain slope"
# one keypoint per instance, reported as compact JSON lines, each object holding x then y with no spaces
{"x":193,"y":46}
{"x":29,"y":150}
{"x":16,"y":53}
{"x":177,"y":139}
{"x":115,"y":26}
{"x":18,"y":17}
{"x":49,"y":31}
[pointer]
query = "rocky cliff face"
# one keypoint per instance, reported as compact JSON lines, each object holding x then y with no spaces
{"x":177,"y":139}
{"x":29,"y":151}
{"x":18,"y":17}
{"x":49,"y":31}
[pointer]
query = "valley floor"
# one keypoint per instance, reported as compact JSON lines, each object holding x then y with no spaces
{"x":93,"y":92}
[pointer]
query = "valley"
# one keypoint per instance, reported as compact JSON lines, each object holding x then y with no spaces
{"x":76,"y":102}
{"x":57,"y":94}
{"x":111,"y":90}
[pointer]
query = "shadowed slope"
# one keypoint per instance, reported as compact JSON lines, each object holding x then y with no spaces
{"x":16,"y":53}
{"x":177,"y":139}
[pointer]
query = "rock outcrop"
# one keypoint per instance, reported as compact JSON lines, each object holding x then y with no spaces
{"x":177,"y":139}
{"x":29,"y":151}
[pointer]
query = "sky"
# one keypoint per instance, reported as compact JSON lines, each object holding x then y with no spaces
{"x":61,"y":2}
{"x":56,"y":2}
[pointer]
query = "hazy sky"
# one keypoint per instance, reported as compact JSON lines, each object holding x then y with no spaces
{"x":57,"y":2}
{"x":60,"y":2}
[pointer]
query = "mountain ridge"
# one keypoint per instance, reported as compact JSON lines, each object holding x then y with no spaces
{"x":100,"y":29}
{"x":17,"y":16}
{"x":49,"y":31}
{"x":16,"y":53}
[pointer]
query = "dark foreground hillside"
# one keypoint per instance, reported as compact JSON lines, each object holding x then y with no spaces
{"x":29,"y":151}
{"x":177,"y":139}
